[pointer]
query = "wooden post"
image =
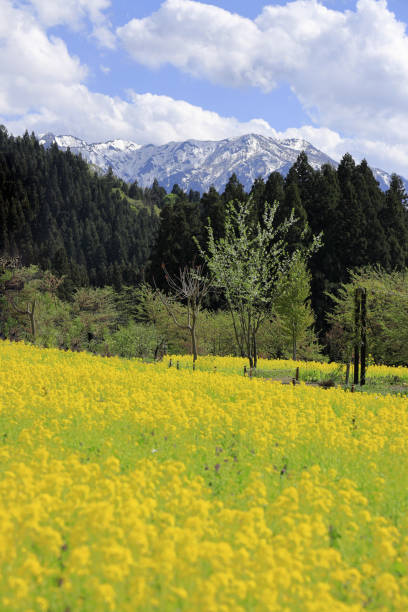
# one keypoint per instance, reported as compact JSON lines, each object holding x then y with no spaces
{"x":297,"y":373}
{"x":352,"y":388}
{"x":363,"y":336}
{"x":250,"y":372}
{"x":357,"y":338}
{"x":293,"y":381}
{"x":347,"y":373}
{"x":178,"y":365}
{"x":245,"y":371}
{"x":170,"y":363}
{"x":193,"y":366}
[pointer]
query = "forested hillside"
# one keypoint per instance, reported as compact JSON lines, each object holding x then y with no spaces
{"x":361,"y":225}
{"x":57,"y":212}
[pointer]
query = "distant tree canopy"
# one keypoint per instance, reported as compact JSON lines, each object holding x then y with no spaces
{"x":58,"y":213}
{"x":387,"y":314}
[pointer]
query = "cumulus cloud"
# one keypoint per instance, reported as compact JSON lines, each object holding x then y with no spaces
{"x":143,"y":118}
{"x":75,"y":13}
{"x":70,"y":12}
{"x":43,"y":87}
{"x":349,"y":69}
{"x":30,"y":62}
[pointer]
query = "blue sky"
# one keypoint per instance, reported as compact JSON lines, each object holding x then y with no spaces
{"x":334,"y":72}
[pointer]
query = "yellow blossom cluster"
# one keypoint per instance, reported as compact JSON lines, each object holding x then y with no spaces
{"x":309,"y":370}
{"x":128,"y":486}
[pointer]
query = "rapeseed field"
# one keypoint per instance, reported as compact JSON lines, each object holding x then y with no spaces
{"x":128,"y":486}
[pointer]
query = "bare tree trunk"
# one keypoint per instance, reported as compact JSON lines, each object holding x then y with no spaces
{"x":357,"y":331}
{"x":32,"y":320}
{"x":189,"y":285}
{"x":193,"y":339}
{"x":237,"y":336}
{"x":347,"y":372}
{"x":249,"y":342}
{"x":255,"y":352}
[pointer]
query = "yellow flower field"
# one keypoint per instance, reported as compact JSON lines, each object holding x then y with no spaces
{"x":128,"y":486}
{"x":308,"y":369}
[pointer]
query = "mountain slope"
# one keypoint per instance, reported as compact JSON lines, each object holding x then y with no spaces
{"x":195,"y":164}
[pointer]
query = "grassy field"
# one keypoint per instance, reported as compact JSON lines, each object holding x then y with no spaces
{"x":130,"y":486}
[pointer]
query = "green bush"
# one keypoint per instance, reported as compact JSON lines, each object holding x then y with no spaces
{"x":134,"y":340}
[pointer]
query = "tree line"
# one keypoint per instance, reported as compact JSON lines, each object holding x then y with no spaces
{"x":360,"y":224}
{"x":60,"y":215}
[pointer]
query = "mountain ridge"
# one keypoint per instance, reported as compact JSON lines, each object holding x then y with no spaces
{"x":198,"y":164}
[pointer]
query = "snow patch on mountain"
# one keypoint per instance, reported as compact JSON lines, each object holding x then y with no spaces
{"x":196,"y":164}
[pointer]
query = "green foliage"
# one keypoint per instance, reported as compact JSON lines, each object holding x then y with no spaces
{"x":292,"y":302}
{"x":57,"y":214}
{"x":387,"y":314}
{"x":175,"y":246}
{"x":93,"y":230}
{"x":134,"y":340}
{"x":216,"y":333}
{"x":246,"y":265}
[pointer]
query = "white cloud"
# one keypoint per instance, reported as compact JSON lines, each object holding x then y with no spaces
{"x":143,"y":118}
{"x":349,"y":70}
{"x":201,"y":39}
{"x":104,"y":36}
{"x":69,"y":12}
{"x":75,"y":13}
{"x":30,"y":62}
{"x":43,"y":88}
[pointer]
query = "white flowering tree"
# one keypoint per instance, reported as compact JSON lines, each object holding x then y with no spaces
{"x":246,"y":265}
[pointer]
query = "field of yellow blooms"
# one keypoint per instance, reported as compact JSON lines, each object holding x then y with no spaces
{"x":127,"y":486}
{"x":309,"y":371}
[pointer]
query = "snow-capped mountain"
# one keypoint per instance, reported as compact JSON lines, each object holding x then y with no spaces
{"x":196,"y":164}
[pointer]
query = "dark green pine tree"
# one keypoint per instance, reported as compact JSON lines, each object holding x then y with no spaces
{"x":394,"y":218}
{"x":213,"y":212}
{"x":371,"y":199}
{"x":194,"y":196}
{"x":274,"y":188}
{"x":175,"y":246}
{"x":157,"y":194}
{"x":351,"y":242}
{"x":234,"y":191}
{"x":257,"y":195}
{"x":304,"y":176}
{"x":58,"y":213}
{"x":135,"y":192}
{"x":324,"y":264}
{"x":292,"y":202}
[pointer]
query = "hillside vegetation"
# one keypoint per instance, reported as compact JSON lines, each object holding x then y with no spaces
{"x":56,"y":212}
{"x":79,"y":248}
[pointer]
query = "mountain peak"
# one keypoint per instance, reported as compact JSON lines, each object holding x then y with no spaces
{"x":196,"y":164}
{"x":46,"y":139}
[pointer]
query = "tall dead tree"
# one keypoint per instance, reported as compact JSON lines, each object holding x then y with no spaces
{"x":190,"y":287}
